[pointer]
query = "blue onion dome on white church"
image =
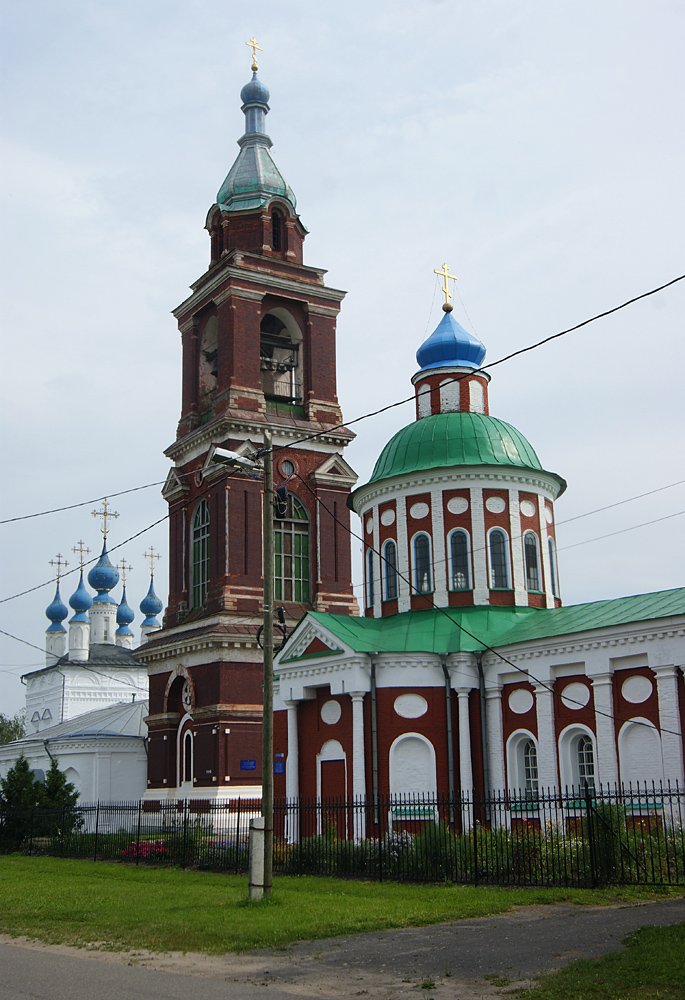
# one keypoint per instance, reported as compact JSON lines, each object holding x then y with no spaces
{"x":151,"y":607}
{"x":81,"y":601}
{"x":254,"y":179}
{"x":103,"y":577}
{"x":125,"y":615}
{"x":56,"y":611}
{"x":450,"y":346}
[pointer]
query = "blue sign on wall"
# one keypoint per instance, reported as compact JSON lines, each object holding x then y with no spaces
{"x":248,"y":765}
{"x":279,"y":767}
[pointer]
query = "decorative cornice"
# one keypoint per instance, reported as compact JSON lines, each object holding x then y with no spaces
{"x":409,"y":483}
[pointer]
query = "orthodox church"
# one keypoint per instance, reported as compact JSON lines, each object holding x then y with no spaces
{"x":87,"y":706}
{"x":464,"y":670}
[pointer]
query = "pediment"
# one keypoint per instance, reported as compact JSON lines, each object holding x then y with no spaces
{"x":309,"y":640}
{"x":335,"y":471}
{"x":174,"y":486}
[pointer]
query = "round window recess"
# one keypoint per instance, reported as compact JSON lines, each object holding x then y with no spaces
{"x":411,"y":706}
{"x":575,"y":695}
{"x":495,"y":505}
{"x":388,"y":517}
{"x":527,"y":508}
{"x":549,"y":516}
{"x":520,"y":701}
{"x":187,"y":696}
{"x":287,"y":468}
{"x":331,"y":712}
{"x":419,"y":510}
{"x":457,"y":505}
{"x":636,"y":689}
{"x":369,"y":525}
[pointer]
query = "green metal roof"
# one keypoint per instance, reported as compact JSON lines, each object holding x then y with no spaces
{"x":456,"y":439}
{"x":474,"y":629}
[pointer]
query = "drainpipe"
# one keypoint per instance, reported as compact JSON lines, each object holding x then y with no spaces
{"x":374,"y":744}
{"x":450,"y":737}
{"x":483,"y":724}
{"x":47,"y":750}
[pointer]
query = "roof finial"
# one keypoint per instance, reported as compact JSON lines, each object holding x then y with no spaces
{"x":60,"y":562}
{"x":150,"y":555}
{"x":81,"y":551}
{"x":256,"y":47}
{"x":124,"y":568}
{"x":105,"y":514}
{"x":445,"y":274}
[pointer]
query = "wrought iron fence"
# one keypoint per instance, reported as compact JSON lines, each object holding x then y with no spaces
{"x":628,"y":835}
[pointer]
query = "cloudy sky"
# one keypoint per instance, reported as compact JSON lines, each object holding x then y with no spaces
{"x":536,"y":147}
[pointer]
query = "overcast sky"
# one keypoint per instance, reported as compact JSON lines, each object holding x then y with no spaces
{"x":535,"y":147}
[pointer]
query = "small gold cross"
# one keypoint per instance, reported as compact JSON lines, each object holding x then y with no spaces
{"x":256,"y":47}
{"x":150,"y":555}
{"x":445,"y":274}
{"x":60,"y":562}
{"x":123,"y":570}
{"x":81,"y":551}
{"x":105,"y":514}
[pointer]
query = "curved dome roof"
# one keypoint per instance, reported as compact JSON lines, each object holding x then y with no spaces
{"x":446,"y":440}
{"x":450,"y":345}
{"x":254,"y":92}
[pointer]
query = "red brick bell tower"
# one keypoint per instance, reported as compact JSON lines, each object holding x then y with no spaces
{"x":258,"y":339}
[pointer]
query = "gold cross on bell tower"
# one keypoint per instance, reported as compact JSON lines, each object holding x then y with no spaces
{"x":445,"y":275}
{"x":60,"y":562}
{"x":150,"y":555}
{"x":81,"y":551}
{"x":105,"y":514}
{"x":256,"y":47}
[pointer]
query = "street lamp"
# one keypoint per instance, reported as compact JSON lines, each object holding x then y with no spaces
{"x":231,"y":458}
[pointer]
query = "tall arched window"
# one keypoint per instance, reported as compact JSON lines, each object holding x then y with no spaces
{"x":586,"y":762}
{"x":423,"y":571}
{"x":531,"y":556}
{"x":277,"y":233}
{"x":498,"y":550}
{"x":369,"y":579}
{"x":200,"y":555}
{"x":291,"y":554}
{"x":530,"y":768}
{"x":279,"y":357}
{"x":460,"y":560}
{"x":577,"y":758}
{"x":552,"y":549}
{"x":188,"y":757}
{"x":389,"y":571}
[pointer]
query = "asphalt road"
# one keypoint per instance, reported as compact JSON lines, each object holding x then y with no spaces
{"x":453,"y":960}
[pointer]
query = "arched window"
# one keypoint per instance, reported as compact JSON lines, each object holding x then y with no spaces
{"x":531,"y":556}
{"x":200,"y":555}
{"x":553,"y":566}
{"x":460,"y":560}
{"x":291,"y":554}
{"x":389,"y":571}
{"x":279,"y":358}
{"x":277,"y":231}
{"x":586,"y":762}
{"x":188,"y":758}
{"x":498,"y":549}
{"x":423,"y":571}
{"x":577,"y":758}
{"x":369,"y":579}
{"x":530,"y":768}
{"x":522,"y":764}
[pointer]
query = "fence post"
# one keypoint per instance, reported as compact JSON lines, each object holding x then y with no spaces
{"x":589,"y":819}
{"x":140,"y":804}
{"x":97,"y":822}
{"x":184,"y":850}
{"x":475,"y":839}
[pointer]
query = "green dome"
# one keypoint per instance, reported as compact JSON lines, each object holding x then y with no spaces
{"x":456,"y":439}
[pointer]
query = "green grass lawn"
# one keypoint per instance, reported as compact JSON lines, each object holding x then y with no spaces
{"x":651,"y":967}
{"x":164,"y":909}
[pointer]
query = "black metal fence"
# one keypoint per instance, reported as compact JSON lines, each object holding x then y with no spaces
{"x":628,"y":835}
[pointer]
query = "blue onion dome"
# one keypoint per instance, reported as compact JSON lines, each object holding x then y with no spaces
{"x":81,"y":601}
{"x":254,"y":92}
{"x":125,"y":614}
{"x":57,"y":611}
{"x":450,"y":346}
{"x":151,"y":606}
{"x":103,"y":576}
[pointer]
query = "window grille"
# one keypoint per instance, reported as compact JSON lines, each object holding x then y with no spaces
{"x":390,"y":571}
{"x":532,"y":561}
{"x":499,"y":560}
{"x":291,"y":554}
{"x":200,"y":554}
{"x":423,"y":573}
{"x":460,"y":561}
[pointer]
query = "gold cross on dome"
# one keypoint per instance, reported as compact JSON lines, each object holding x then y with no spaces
{"x":81,"y":551}
{"x":151,"y":555}
{"x":445,"y":275}
{"x":105,"y":514}
{"x":256,"y":47}
{"x":124,"y":568}
{"x":60,"y":562}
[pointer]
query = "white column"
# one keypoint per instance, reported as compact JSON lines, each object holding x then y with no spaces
{"x":606,"y":765}
{"x":481,"y":594}
{"x":292,"y":776}
{"x":547,"y":756}
{"x":358,"y":765}
{"x":670,"y":723}
{"x":377,"y":563}
{"x":439,"y":551}
{"x":544,"y":553}
{"x":518,"y":570}
{"x":465,"y":761}
{"x":495,"y":741}
{"x":403,"y":589}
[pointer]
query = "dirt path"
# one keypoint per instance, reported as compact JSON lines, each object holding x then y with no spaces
{"x":475,"y":959}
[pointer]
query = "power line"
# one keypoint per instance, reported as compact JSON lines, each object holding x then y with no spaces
{"x":622,"y":531}
{"x":83,"y":503}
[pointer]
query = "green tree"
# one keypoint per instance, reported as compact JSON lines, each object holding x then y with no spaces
{"x":11,"y":727}
{"x":57,"y":799}
{"x":19,"y":796}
